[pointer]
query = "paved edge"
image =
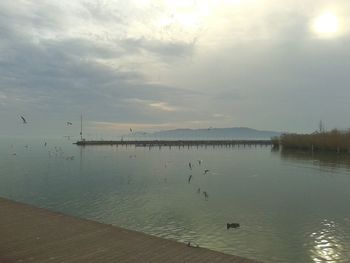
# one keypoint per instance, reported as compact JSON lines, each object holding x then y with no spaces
{"x":32,"y":234}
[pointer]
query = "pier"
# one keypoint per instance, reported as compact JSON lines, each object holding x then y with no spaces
{"x":178,"y":143}
{"x":31,"y":234}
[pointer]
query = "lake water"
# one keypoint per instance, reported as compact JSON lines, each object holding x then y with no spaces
{"x":292,"y":206}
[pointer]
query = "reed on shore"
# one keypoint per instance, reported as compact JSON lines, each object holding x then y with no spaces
{"x":334,"y":140}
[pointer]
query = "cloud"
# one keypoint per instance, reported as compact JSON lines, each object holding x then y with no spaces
{"x":117,"y":63}
{"x":164,"y":49}
{"x":218,"y":115}
{"x":158,"y":105}
{"x":162,"y":106}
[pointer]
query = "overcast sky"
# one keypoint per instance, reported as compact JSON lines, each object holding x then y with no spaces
{"x":154,"y":65}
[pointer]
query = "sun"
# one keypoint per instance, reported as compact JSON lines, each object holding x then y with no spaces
{"x":326,"y":24}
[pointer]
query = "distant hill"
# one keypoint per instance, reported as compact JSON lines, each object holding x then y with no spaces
{"x":238,"y":133}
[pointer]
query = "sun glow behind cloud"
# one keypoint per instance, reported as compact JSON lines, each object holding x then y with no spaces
{"x":326,"y":25}
{"x":188,"y":15}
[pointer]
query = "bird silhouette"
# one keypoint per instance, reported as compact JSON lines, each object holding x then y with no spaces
{"x":189,"y":178}
{"x":206,"y":171}
{"x":23,"y":119}
{"x":205,"y":195}
{"x":69,"y":123}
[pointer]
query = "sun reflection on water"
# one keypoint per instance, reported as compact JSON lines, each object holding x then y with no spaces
{"x":326,"y":246}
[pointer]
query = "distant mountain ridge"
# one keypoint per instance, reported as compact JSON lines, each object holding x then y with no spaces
{"x":235,"y":133}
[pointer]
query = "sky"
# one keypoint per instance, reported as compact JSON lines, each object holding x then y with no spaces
{"x":159,"y":65}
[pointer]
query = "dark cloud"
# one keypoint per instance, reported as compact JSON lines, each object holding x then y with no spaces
{"x":64,"y":78}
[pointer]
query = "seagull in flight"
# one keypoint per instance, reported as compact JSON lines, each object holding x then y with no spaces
{"x":23,"y":119}
{"x":189,"y":178}
{"x":205,"y":195}
{"x":69,"y":123}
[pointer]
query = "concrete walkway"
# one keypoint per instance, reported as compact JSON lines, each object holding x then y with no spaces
{"x":30,"y":234}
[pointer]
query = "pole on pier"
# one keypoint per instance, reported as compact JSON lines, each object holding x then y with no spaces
{"x":81,"y":127}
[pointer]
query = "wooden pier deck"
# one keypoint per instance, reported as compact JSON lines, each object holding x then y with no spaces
{"x":180,"y":143}
{"x":30,"y":234}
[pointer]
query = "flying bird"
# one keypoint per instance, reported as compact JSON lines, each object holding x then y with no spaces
{"x":206,"y":171}
{"x":189,"y":178}
{"x":23,"y":119}
{"x":205,"y":195}
{"x":69,"y":123}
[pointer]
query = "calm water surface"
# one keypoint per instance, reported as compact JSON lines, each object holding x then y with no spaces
{"x":292,"y":206}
